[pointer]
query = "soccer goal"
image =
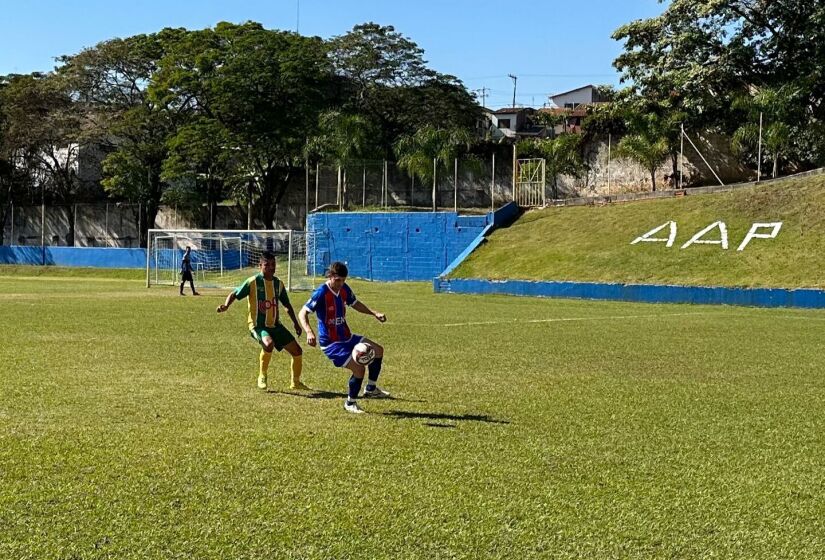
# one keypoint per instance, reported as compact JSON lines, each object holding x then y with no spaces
{"x":223,"y":259}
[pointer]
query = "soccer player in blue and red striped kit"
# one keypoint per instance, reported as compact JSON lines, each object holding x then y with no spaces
{"x":329,"y":303}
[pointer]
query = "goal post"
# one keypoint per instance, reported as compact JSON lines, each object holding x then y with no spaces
{"x":225,"y":258}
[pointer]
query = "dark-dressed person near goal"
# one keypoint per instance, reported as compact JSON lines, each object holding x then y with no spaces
{"x":186,"y":272}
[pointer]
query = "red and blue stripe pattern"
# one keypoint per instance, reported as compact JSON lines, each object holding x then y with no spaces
{"x":331,"y":310}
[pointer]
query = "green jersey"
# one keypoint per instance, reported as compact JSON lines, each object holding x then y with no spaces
{"x":264,"y":298}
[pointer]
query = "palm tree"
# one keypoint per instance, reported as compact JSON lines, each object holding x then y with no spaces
{"x":422,"y":153}
{"x":343,"y":138}
{"x":776,"y":105}
{"x":647,"y":145}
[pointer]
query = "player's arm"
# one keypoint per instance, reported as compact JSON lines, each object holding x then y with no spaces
{"x":295,"y":323}
{"x":284,"y":299}
{"x":304,"y":319}
{"x":229,"y":299}
{"x":361,"y":308}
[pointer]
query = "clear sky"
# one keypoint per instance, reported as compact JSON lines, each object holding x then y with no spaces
{"x":550,"y":45}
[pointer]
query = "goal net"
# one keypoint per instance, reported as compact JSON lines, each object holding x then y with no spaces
{"x":224,"y":259}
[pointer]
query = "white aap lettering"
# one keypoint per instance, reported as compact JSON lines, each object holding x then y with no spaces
{"x":700,"y":237}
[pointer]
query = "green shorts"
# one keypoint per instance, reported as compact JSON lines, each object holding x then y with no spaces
{"x":279,"y":335}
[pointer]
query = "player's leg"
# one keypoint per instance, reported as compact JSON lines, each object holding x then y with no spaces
{"x":355,"y":381}
{"x":296,"y":354}
{"x":284,"y":340}
{"x":192,"y":285}
{"x":267,"y":346}
{"x":372,"y":390}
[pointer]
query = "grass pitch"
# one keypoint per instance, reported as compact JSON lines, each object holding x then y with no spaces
{"x":131,"y":427}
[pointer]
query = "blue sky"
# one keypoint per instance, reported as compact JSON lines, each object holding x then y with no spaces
{"x":551,"y":45}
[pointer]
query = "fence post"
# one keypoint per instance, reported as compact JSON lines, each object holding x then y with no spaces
{"x":338,"y":199}
{"x":306,"y":207}
{"x":364,"y":188}
{"x":493,"y":186}
{"x":609,"y":142}
{"x":11,"y":239}
{"x":514,"y":171}
{"x":455,"y":186}
{"x":317,"y":178}
{"x":43,"y":224}
{"x":434,"y":183}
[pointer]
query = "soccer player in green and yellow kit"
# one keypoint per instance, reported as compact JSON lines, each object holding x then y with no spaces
{"x":266,"y":294}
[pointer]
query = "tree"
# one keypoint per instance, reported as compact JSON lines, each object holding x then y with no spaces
{"x":428,"y":145}
{"x":383,"y":76}
{"x":699,"y":54}
{"x":647,"y":145}
{"x":111,"y":81}
{"x":342,"y":138}
{"x":199,"y":153}
{"x":265,"y":88}
{"x":44,"y":133}
{"x":779,"y":108}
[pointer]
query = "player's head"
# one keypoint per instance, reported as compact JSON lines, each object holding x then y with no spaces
{"x":188,"y":249}
{"x":337,"y":275}
{"x":268,"y":264}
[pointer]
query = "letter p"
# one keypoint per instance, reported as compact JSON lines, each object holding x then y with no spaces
{"x":776,"y":226}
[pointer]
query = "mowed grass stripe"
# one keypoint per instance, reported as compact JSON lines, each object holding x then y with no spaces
{"x":130,"y":427}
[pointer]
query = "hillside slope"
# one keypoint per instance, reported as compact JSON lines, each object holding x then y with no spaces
{"x":593,"y":244}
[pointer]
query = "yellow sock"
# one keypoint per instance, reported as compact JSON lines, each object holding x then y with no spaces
{"x":297,"y":364}
{"x":265,"y":357}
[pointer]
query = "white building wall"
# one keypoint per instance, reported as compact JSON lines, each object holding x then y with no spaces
{"x":584,"y":95}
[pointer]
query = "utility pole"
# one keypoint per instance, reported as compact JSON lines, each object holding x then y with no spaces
{"x":515,"y":79}
{"x":483,"y":91}
{"x":297,"y":15}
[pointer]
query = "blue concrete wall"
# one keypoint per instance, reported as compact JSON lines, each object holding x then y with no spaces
{"x":104,"y":257}
{"x":754,"y":297}
{"x":391,"y":246}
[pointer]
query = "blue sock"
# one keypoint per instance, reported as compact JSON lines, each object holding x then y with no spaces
{"x":354,"y":387}
{"x":374,"y":371}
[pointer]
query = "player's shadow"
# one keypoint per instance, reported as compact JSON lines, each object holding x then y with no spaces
{"x":440,"y":418}
{"x":314,"y":394}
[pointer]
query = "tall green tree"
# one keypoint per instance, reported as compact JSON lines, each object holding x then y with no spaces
{"x":44,"y":132}
{"x":265,"y":88}
{"x":700,"y":54}
{"x":200,"y":154}
{"x":111,"y":82}
{"x":383,"y":76}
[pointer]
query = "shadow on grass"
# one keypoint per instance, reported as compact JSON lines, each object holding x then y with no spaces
{"x":326,"y":395}
{"x":442,"y":418}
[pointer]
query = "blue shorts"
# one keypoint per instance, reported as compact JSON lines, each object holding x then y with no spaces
{"x":341,"y":352}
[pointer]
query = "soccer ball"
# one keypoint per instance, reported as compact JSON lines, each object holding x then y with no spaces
{"x":363,"y":353}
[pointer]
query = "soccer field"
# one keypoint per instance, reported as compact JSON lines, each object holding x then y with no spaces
{"x":131,"y":427}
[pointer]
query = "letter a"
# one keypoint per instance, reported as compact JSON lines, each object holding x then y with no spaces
{"x":753,"y":235}
{"x":647,"y":237}
{"x":723,"y":230}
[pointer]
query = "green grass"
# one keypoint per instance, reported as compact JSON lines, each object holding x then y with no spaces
{"x":131,"y":427}
{"x":592,"y":244}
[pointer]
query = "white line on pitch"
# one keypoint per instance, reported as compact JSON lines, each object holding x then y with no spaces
{"x":562,"y":319}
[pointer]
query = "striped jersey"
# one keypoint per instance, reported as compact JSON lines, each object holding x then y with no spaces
{"x":264,"y":296}
{"x":331,"y":310}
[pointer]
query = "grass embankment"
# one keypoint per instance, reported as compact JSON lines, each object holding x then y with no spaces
{"x":593,"y":244}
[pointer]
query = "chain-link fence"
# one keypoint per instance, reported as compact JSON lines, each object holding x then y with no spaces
{"x":74,"y":225}
{"x":465,"y":184}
